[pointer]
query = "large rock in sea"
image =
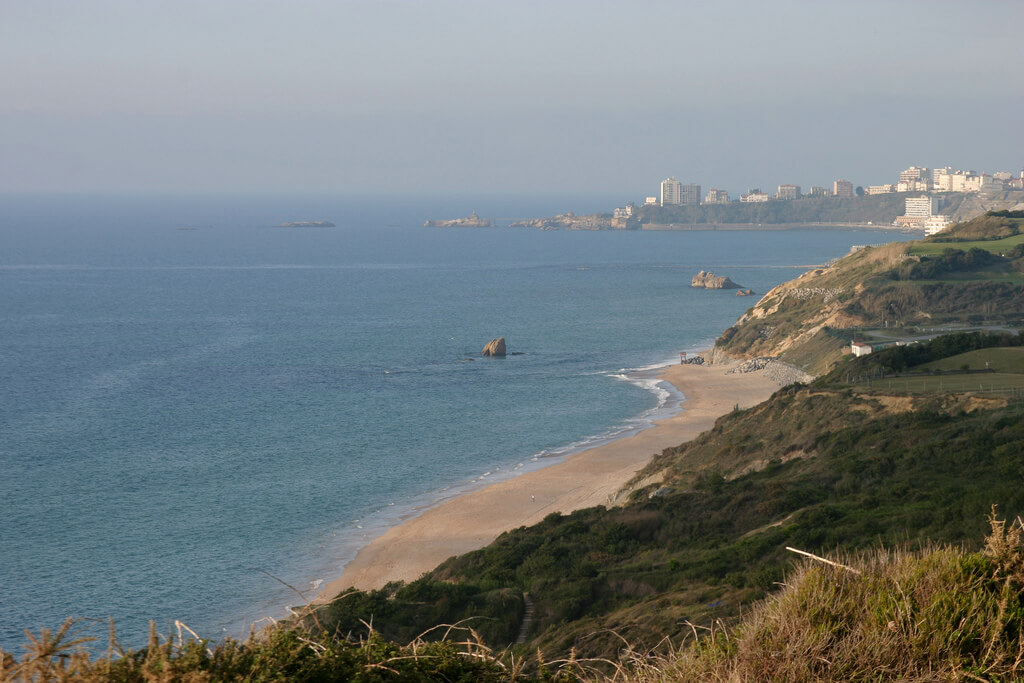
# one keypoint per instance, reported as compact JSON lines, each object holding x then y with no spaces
{"x":495,"y":347}
{"x":709,"y":280}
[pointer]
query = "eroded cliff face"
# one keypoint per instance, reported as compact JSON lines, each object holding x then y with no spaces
{"x":792,"y":320}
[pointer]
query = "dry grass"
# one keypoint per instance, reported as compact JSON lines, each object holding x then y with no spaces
{"x":941,"y":615}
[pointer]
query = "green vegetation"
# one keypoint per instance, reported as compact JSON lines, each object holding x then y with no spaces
{"x":933,"y":354}
{"x":877,"y":209}
{"x":1004,"y":360}
{"x":896,"y":448}
{"x":994,"y":225}
{"x":938,"y":615}
{"x":820,"y":468}
{"x":809,"y":321}
{"x":280,"y":655}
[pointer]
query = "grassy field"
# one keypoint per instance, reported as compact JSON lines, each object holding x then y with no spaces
{"x":993,"y":246}
{"x":1002,"y":360}
{"x":982,"y":382}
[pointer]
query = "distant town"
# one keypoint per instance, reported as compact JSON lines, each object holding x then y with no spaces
{"x":922,"y":199}
{"x":921,"y":212}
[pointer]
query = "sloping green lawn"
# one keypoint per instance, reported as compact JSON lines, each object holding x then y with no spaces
{"x":1002,"y":360}
{"x":993,"y":246}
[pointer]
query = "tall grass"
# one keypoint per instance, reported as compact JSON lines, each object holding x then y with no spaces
{"x":939,"y":614}
{"x":936,"y":615}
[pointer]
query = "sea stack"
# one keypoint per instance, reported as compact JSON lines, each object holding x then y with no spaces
{"x":495,"y":347}
{"x":709,"y":280}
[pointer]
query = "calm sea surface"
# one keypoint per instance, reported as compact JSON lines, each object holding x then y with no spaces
{"x":193,"y":400}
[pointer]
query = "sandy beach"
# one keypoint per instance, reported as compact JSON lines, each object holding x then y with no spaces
{"x":585,"y":479}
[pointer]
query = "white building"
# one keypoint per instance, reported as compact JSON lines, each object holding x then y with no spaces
{"x":880,"y":189}
{"x":920,"y":207}
{"x":941,"y":179}
{"x":651,"y":201}
{"x":916,"y":174}
{"x":754,"y":196}
{"x":918,"y":210}
{"x":860,"y":349}
{"x":716,"y":196}
{"x":937,"y":223}
{"x":671,"y":192}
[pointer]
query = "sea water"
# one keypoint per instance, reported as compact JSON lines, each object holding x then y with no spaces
{"x":204,"y":415}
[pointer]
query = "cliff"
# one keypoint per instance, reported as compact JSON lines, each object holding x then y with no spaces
{"x":897,"y":292}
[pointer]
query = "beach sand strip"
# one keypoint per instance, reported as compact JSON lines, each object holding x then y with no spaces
{"x":585,"y":479}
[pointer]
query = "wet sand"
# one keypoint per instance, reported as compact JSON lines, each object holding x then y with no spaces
{"x":585,"y":479}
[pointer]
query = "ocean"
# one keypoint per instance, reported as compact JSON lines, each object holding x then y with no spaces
{"x":203,"y":415}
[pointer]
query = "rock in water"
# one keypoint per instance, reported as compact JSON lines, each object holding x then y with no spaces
{"x":495,"y":347}
{"x":709,"y":280}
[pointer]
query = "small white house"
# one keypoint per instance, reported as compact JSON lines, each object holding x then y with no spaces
{"x":860,"y":348}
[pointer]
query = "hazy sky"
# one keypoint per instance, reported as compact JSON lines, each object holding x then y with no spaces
{"x":516,"y":96}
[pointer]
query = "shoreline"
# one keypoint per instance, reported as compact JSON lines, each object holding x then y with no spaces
{"x":590,"y":477}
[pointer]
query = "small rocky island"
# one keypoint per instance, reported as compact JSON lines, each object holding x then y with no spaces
{"x":308,"y":224}
{"x":495,"y":347}
{"x":708,"y":280}
{"x":470,"y":221}
{"x":568,"y":221}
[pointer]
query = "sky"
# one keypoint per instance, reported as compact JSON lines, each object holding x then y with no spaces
{"x":513,"y":97}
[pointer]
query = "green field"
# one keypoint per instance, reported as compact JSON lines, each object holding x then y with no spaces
{"x":998,"y":382}
{"x":1008,"y":364}
{"x":1002,"y":360}
{"x":993,"y":246}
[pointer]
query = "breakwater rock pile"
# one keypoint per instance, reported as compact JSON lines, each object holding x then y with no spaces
{"x":774,"y":369}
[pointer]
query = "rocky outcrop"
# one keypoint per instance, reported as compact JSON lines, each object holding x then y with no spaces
{"x":570,"y":221}
{"x":471,"y":221}
{"x":744,"y":292}
{"x":495,"y":347}
{"x":709,"y":280}
{"x":308,"y":224}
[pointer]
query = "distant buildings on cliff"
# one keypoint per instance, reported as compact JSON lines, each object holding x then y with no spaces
{"x":919,"y":212}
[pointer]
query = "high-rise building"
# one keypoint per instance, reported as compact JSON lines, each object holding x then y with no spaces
{"x":788,"y":192}
{"x":918,"y":210}
{"x":818,"y":191}
{"x":942,"y":179}
{"x":671,"y":192}
{"x":690,"y":195}
{"x":842,"y":189}
{"x":920,"y":207}
{"x":915,"y":175}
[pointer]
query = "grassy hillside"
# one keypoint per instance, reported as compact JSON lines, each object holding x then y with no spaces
{"x":971,"y":275}
{"x":941,"y":614}
{"x":878,"y":209}
{"x":820,"y":468}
